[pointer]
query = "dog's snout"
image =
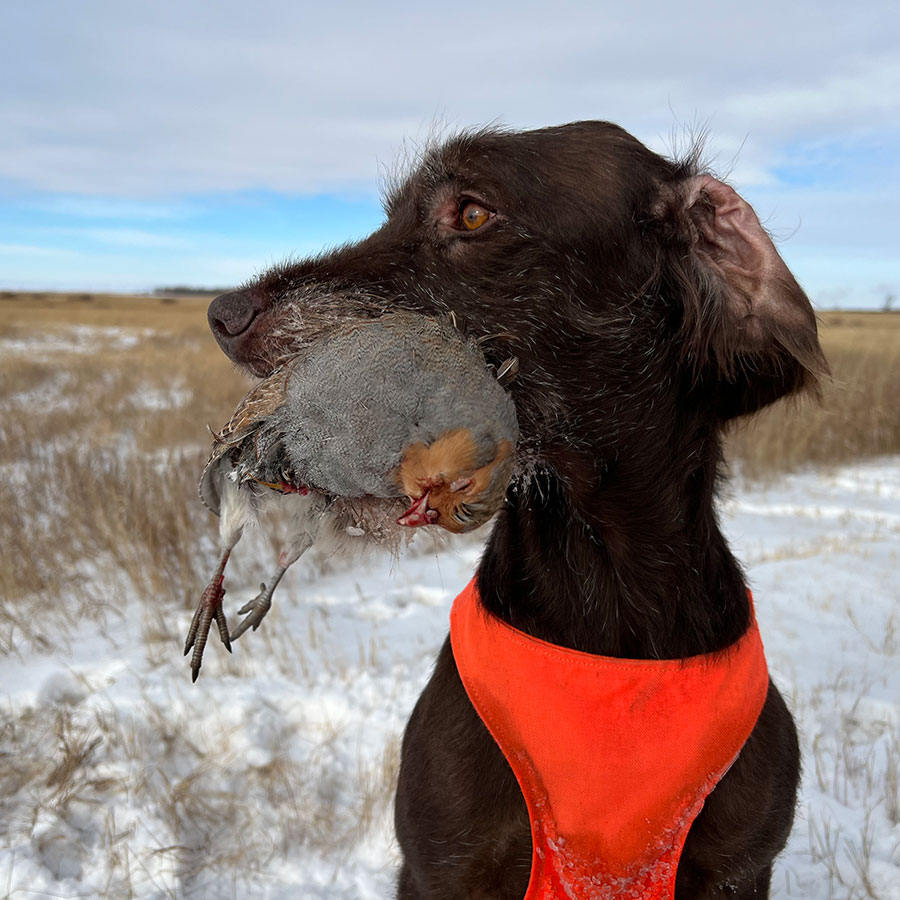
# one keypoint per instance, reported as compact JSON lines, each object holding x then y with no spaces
{"x":231,"y":314}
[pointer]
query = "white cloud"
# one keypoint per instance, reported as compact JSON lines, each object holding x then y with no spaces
{"x":866,"y":93}
{"x":139,"y":98}
{"x":104,"y":101}
{"x":30,"y":251}
{"x":119,"y":237}
{"x":88,"y":207}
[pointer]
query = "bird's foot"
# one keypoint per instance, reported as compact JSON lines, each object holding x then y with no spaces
{"x":257,"y":608}
{"x":254,"y":611}
{"x":209,"y":609}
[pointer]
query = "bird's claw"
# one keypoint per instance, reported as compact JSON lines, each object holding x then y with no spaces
{"x":255,"y":610}
{"x":209,"y":609}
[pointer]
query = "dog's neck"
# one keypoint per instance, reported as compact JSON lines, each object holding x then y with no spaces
{"x":628,"y":564}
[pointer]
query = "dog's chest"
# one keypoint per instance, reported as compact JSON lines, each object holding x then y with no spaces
{"x":614,"y":757}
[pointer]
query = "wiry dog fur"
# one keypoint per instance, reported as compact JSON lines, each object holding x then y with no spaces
{"x":647,"y":308}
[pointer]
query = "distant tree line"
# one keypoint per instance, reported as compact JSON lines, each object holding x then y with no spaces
{"x":184,"y":290}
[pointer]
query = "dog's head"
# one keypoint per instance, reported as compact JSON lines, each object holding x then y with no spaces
{"x":640,"y":296}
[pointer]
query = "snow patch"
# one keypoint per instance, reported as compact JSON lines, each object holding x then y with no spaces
{"x":271,"y":778}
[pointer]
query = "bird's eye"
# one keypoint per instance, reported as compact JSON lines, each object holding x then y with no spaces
{"x":473,"y":215}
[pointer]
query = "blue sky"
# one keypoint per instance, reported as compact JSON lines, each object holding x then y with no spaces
{"x":156,"y":143}
{"x":68,"y":241}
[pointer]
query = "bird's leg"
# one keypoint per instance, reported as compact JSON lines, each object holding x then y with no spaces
{"x":208,"y":609}
{"x":257,"y":608}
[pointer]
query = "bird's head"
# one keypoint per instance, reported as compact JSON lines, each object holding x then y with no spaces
{"x":450,"y":490}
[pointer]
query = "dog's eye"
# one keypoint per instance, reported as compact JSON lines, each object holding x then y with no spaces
{"x":472,"y":215}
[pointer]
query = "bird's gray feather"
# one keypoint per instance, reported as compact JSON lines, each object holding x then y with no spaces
{"x":339,"y":416}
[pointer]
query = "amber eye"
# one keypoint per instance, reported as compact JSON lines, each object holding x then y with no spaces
{"x":473,"y":216}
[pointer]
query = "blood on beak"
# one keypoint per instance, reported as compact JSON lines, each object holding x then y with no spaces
{"x":419,"y":513}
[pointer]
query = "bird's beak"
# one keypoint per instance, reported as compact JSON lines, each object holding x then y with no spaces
{"x":419,"y":513}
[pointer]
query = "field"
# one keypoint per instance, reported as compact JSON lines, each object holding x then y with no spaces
{"x":859,"y":412}
{"x":272,"y":776}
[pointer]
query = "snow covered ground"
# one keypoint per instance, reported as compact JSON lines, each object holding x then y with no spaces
{"x":272,"y":776}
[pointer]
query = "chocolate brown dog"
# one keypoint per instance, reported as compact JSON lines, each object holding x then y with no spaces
{"x":647,"y":307}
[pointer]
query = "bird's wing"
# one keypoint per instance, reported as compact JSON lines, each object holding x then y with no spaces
{"x":255,"y":406}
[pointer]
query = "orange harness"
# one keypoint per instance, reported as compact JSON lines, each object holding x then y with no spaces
{"x":615,"y":757}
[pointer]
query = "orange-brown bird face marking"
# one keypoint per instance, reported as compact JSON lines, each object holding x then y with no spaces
{"x":445,"y":486}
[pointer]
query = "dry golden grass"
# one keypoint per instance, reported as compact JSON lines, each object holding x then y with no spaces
{"x":101,"y":440}
{"x":102,"y":437}
{"x":114,"y":378}
{"x":104,"y":401}
{"x":185,"y":315}
{"x":859,"y":413}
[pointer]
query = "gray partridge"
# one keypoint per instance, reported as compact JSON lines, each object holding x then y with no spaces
{"x":377,"y":410}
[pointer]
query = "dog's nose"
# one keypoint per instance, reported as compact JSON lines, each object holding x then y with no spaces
{"x":231,"y":314}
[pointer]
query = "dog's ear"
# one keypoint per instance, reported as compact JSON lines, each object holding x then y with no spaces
{"x":747,"y":324}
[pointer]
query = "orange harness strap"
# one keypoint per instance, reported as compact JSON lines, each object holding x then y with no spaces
{"x":615,"y":757}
